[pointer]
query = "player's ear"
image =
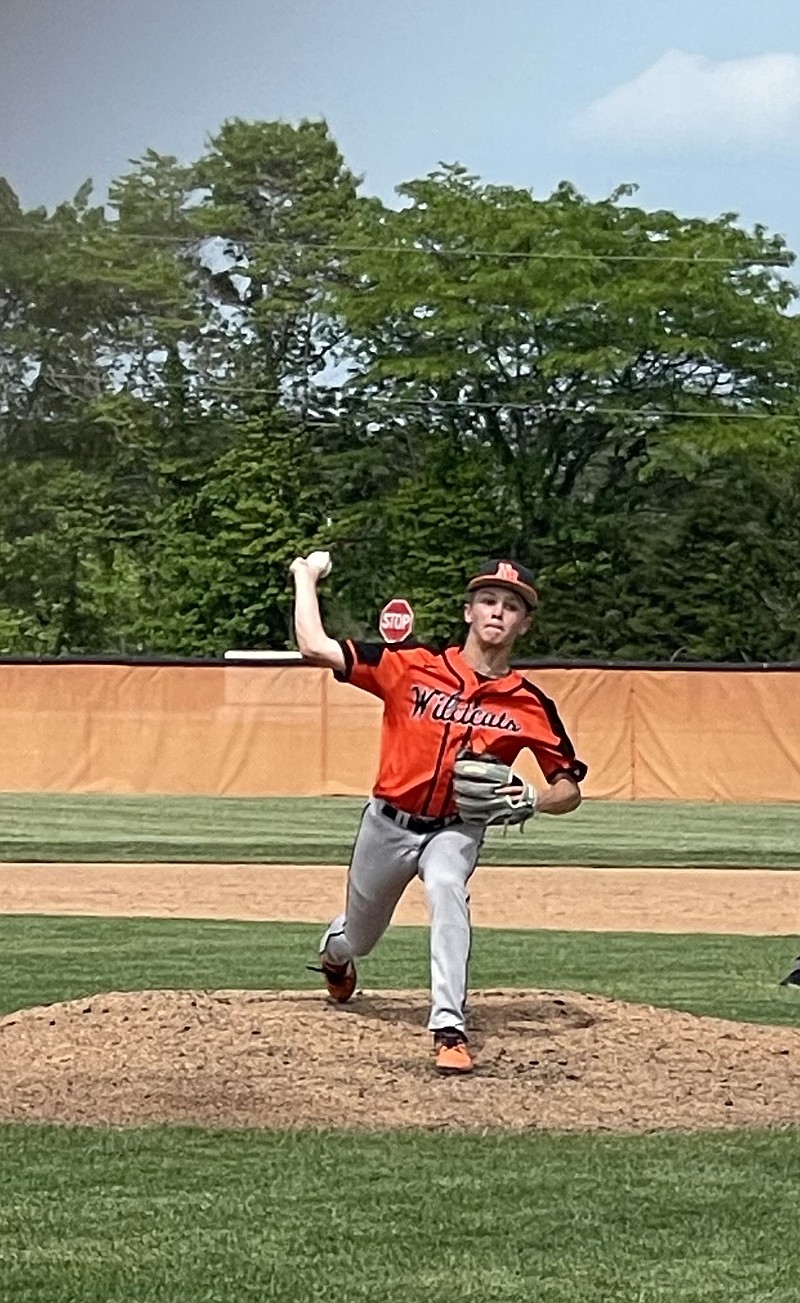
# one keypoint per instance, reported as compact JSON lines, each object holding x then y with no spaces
{"x":468,"y":612}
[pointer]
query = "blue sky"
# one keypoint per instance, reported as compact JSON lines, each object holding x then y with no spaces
{"x":699,"y":103}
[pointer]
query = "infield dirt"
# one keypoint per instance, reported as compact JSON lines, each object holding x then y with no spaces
{"x":755,"y":902}
{"x":562,"y":1061}
{"x":555,"y":1060}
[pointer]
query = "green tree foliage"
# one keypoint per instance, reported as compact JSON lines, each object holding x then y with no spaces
{"x":238,"y":357}
{"x":66,"y":585}
{"x":594,"y":354}
{"x":165,"y":348}
{"x":226,"y":543}
{"x":692,"y":569}
{"x":438,"y":519}
{"x":274,"y":199}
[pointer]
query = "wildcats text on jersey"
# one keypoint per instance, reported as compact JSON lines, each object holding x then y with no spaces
{"x":434,"y":704}
{"x":450,"y":708}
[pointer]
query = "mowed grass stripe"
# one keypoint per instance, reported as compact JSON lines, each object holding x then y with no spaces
{"x":44,"y":959}
{"x":95,"y":829}
{"x":162,"y":1215}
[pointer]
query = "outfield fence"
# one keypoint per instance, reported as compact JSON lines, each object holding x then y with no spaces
{"x":286,"y":729}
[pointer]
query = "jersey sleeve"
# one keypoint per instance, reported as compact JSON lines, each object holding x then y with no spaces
{"x":552,"y":748}
{"x":371,"y":666}
{"x":554,"y":764}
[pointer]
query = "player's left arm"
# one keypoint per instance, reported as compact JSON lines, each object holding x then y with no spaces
{"x":555,"y":756}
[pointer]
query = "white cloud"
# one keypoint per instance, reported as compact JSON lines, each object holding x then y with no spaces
{"x":688,"y":101}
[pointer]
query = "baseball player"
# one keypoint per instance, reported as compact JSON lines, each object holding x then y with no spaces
{"x":453,"y":724}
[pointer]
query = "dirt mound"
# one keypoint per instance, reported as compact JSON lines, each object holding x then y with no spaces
{"x":286,"y":1059}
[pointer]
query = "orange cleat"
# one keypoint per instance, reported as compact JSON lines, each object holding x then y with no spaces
{"x":452,"y":1052}
{"x":340,"y":979}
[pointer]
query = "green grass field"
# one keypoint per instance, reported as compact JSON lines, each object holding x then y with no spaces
{"x":171,"y":1215}
{"x":184,"y":1216}
{"x":45,"y":959}
{"x":180,"y":1215}
{"x":320,"y":831}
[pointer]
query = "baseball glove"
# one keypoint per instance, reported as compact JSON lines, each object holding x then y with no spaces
{"x":478,"y":781}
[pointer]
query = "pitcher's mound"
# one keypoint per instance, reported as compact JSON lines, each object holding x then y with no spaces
{"x":290,"y":1059}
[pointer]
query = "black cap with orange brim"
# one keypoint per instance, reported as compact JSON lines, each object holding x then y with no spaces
{"x":506,"y":574}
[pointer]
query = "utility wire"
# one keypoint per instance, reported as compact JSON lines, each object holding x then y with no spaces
{"x":538,"y":410}
{"x":773,"y":260}
{"x":344,"y":402}
{"x":322,"y":394}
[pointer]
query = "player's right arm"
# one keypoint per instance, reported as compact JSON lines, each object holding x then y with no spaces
{"x":314,"y":643}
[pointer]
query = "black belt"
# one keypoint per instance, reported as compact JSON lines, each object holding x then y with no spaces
{"x":414,"y":823}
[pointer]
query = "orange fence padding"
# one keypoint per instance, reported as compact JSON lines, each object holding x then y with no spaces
{"x":294,"y":731}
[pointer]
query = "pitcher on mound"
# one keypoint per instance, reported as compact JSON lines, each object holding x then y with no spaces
{"x":454,"y":722}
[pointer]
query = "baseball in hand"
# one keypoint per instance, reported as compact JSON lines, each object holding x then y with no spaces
{"x":320,"y":562}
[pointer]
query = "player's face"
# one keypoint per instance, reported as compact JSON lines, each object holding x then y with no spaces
{"x":497,"y":616}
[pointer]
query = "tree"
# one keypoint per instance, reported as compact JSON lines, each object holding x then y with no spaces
{"x":225,"y":544}
{"x":138,"y":351}
{"x":275,"y":199}
{"x":422,"y":540}
{"x":580,"y":346}
{"x":66,"y":585}
{"x":240,"y":357}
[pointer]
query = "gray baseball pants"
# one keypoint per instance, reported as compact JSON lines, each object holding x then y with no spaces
{"x":386,"y":857}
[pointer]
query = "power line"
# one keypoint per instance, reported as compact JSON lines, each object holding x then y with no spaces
{"x":55,"y":423}
{"x":540,"y":410}
{"x":344,"y":402}
{"x":773,"y":260}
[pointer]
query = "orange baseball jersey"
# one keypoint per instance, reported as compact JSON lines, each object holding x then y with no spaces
{"x":435,"y":705}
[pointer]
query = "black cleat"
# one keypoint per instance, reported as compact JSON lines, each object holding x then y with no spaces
{"x":793,"y":978}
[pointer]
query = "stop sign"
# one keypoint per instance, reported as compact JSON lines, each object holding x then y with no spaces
{"x":396,"y":620}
